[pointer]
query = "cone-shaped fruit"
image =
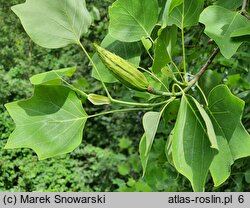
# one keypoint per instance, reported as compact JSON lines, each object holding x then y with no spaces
{"x":125,"y":72}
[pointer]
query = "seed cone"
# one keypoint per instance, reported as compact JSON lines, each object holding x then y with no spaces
{"x":125,"y":72}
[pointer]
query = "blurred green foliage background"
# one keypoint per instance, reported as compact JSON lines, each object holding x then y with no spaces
{"x":107,"y":159}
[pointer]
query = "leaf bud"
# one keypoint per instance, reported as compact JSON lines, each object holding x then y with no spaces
{"x":98,"y":99}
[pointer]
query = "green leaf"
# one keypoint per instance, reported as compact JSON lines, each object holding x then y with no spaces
{"x":209,"y":126}
{"x":229,"y":4}
{"x":169,"y":6}
{"x":52,"y":76}
{"x":187,"y":14}
{"x":142,"y":186}
{"x":129,"y":51}
{"x":225,"y":111}
{"x":209,"y":80}
{"x":220,"y":23}
{"x":168,"y":148}
{"x":170,"y":113}
{"x":54,"y":24}
{"x":237,"y":80}
{"x":130,"y":20}
{"x":192,"y":154}
{"x":247,"y":176}
{"x":240,"y":142}
{"x":241,"y":31}
{"x":50,"y":123}
{"x":143,"y":156}
{"x":125,"y":143}
{"x":123,"y":169}
{"x":80,"y":83}
{"x":95,"y":13}
{"x":146,"y":43}
{"x":164,"y":46}
{"x":150,"y":124}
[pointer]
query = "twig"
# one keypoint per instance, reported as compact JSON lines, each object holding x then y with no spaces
{"x":244,"y":5}
{"x":246,"y":15}
{"x":190,"y":83}
{"x":204,"y":68}
{"x":216,"y":51}
{"x":243,"y":9}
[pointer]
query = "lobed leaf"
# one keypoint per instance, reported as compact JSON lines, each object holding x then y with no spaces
{"x":241,"y":31}
{"x":130,"y":20}
{"x":209,"y":80}
{"x":229,"y":4}
{"x":169,"y":6}
{"x":191,"y":151}
{"x":50,"y":123}
{"x":225,"y":111}
{"x":164,"y":45}
{"x":150,"y":124}
{"x":54,"y":24}
{"x":52,"y":77}
{"x":220,"y":24}
{"x":186,"y":14}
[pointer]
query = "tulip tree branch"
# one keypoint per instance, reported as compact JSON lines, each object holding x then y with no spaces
{"x":190,"y":83}
{"x":204,"y":68}
{"x":243,"y":9}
